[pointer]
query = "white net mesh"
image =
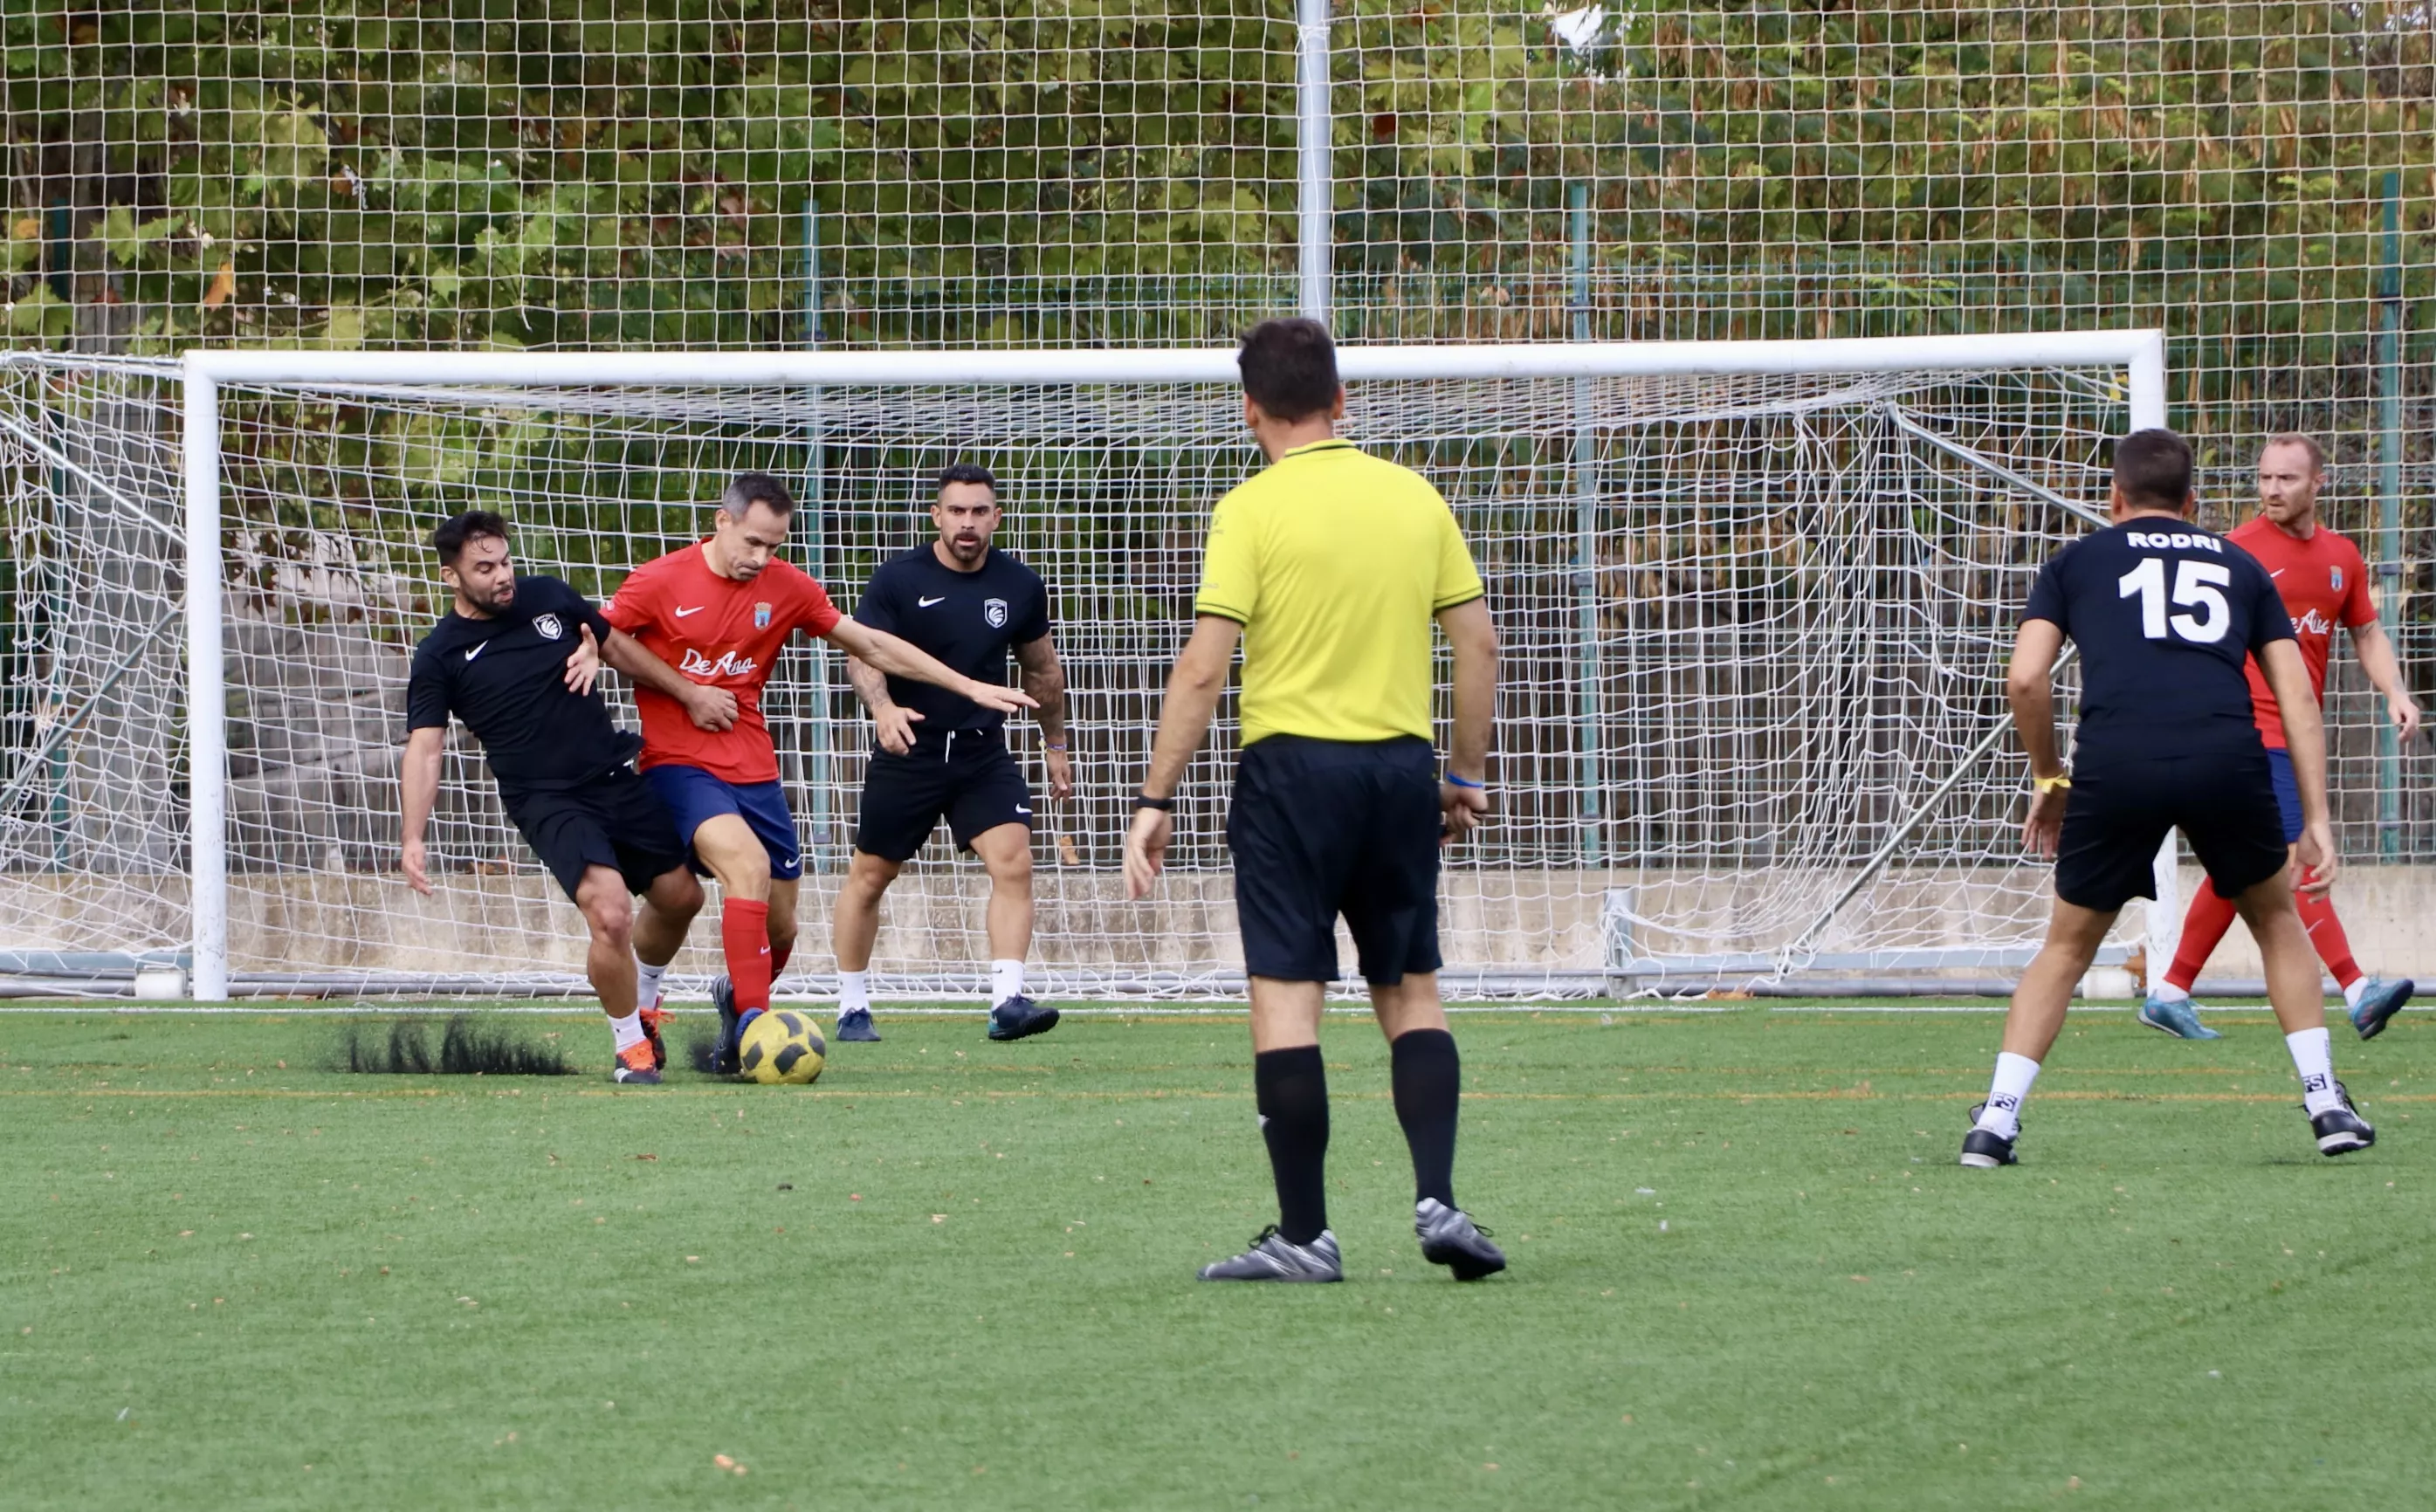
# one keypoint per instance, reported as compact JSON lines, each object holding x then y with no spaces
{"x":1754,"y":636}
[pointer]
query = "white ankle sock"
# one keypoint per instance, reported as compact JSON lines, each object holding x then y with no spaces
{"x":2002,"y":1116}
{"x":647,"y":983}
{"x":2313,"y":1058}
{"x":854,"y":991}
{"x":629,"y":1031}
{"x":2167,"y":992}
{"x":2353,"y":993}
{"x":1006,"y":981}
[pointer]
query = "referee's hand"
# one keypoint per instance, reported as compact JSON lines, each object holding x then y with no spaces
{"x":2313,"y":860}
{"x":1146,"y":849}
{"x":1461,"y":810}
{"x":411,"y":861}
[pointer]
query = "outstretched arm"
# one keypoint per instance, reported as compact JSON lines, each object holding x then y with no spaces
{"x":1193,"y":692}
{"x":2384,"y":672}
{"x":1044,"y":678}
{"x":2029,"y":689}
{"x":418,"y":786}
{"x":2304,"y":736}
{"x":710,"y":708}
{"x":889,"y":655}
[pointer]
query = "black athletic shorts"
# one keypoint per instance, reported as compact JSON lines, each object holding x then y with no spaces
{"x":614,"y":819}
{"x":2121,"y":806}
{"x":1324,"y":827}
{"x":973,"y":780}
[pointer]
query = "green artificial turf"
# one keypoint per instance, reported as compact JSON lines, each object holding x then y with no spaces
{"x":1747,"y":1273}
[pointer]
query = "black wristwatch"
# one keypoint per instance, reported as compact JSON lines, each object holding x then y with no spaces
{"x":1143,"y":800}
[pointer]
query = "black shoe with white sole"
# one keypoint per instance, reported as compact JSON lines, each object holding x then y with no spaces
{"x":2341,"y":1130}
{"x":1983,"y":1149}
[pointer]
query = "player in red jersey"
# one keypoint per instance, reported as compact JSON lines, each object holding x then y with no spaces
{"x":2323,"y":584}
{"x":719,"y":612}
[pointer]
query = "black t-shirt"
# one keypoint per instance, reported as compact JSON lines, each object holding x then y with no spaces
{"x":968,"y":620}
{"x":2164,"y":613}
{"x":505,"y":677}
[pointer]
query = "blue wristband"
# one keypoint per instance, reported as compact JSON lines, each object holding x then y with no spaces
{"x":1467,"y":782}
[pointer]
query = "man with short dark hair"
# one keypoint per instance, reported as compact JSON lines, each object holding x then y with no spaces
{"x":2164,"y":614}
{"x":1330,"y":567}
{"x":2323,"y":584}
{"x":514,"y":659}
{"x":941,"y":756}
{"x":720,"y":611}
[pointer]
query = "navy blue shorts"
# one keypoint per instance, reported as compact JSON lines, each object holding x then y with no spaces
{"x":694,"y":795}
{"x":2288,"y":791}
{"x":973,"y":782}
{"x":612,"y":820}
{"x":1324,"y":827}
{"x":2120,"y":807}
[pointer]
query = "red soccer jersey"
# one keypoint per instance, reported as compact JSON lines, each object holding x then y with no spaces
{"x":722,"y":631}
{"x":2324,"y":583}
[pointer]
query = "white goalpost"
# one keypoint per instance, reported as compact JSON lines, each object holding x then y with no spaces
{"x":1756,"y":600}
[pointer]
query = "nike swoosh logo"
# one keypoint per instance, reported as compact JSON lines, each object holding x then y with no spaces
{"x":788,"y":861}
{"x":2277,"y":573}
{"x":477,"y":651}
{"x":695,"y":609}
{"x":925,"y":603}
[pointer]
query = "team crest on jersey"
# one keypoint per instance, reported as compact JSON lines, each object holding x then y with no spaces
{"x":994,"y":610}
{"x":2336,"y":573}
{"x":761,"y":617}
{"x":548,"y":626}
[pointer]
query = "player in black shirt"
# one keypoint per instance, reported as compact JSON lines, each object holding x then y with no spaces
{"x":2164,"y":614}
{"x":940,"y":753}
{"x":515,"y":661}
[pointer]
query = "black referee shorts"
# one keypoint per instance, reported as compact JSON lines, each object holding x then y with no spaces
{"x":973,"y":781}
{"x":1324,"y":827}
{"x":613,"y":820}
{"x":2120,"y":807}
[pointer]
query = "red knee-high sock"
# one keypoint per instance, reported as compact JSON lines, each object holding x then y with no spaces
{"x":2202,"y":928}
{"x":780,"y":953}
{"x":744,"y":936}
{"x":2326,"y":933}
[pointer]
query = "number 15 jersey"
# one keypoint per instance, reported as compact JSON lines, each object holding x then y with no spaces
{"x":2165,"y":614}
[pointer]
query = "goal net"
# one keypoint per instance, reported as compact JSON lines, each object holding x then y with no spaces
{"x":1755,"y":602}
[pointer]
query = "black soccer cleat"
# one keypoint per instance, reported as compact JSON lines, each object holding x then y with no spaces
{"x":1272,"y":1257}
{"x":723,"y":1058}
{"x":1449,"y":1238}
{"x":855,"y":1025}
{"x":2380,"y":1002}
{"x":2341,"y":1130}
{"x":1018,"y":1018}
{"x":1983,"y":1149}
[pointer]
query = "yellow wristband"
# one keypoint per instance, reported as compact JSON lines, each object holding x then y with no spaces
{"x":2051,"y":784}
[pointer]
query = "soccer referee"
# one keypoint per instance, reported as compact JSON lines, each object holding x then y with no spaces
{"x":1328,"y":567}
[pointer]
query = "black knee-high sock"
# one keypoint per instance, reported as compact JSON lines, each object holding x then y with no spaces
{"x":1290,"y":1086}
{"x":1429,"y":1079}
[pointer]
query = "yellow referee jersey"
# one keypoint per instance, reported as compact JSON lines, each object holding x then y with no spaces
{"x":1335,"y":562}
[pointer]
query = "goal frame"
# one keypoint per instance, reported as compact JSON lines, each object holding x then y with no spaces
{"x":2140,"y":353}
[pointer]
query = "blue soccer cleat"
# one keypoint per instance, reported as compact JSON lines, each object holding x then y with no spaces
{"x":855,"y":1024}
{"x":2380,"y":1002}
{"x":2178,"y":1016}
{"x":1018,"y":1018}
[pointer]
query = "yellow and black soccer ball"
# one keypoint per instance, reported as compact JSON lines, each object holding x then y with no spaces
{"x":781,"y":1047}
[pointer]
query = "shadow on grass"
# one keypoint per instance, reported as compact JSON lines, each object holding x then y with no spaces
{"x":467,"y":1046}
